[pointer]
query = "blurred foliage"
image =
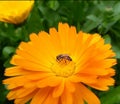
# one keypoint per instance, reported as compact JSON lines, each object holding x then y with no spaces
{"x":93,"y":16}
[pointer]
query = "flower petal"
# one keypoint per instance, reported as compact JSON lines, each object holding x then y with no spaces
{"x":103,"y":83}
{"x":88,"y":96}
{"x":35,"y":52}
{"x":40,"y":96}
{"x":63,"y":35}
{"x":15,"y":82}
{"x":12,"y":95}
{"x":58,"y":90}
{"x":77,"y":96}
{"x":29,"y":65}
{"x":67,"y":97}
{"x":85,"y":78}
{"x":50,"y":99}
{"x":22,"y":92}
{"x":69,"y":86}
{"x":56,"y":44}
{"x":15,"y":14}
{"x":15,"y":71}
{"x":49,"y":81}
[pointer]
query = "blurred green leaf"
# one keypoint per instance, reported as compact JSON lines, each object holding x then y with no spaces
{"x":7,"y":63}
{"x":107,"y":38}
{"x":50,"y":16}
{"x":116,"y":48}
{"x":53,"y":4}
{"x":117,"y":8}
{"x":3,"y":93}
{"x":111,"y":97}
{"x":93,"y":18}
{"x":7,"y":51}
{"x":34,"y":22}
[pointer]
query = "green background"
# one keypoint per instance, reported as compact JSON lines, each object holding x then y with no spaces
{"x":93,"y":16}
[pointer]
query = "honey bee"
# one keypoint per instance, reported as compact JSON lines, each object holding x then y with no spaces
{"x":63,"y":58}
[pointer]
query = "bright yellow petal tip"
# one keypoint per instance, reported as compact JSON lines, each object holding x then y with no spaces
{"x":54,"y":67}
{"x":15,"y":11}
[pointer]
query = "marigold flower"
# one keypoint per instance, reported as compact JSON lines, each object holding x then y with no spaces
{"x":56,"y":68}
{"x":15,"y":11}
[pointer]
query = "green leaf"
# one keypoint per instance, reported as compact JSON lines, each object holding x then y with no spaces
{"x":93,"y":18}
{"x":111,"y":97}
{"x":116,"y":45}
{"x":91,"y":23}
{"x":117,"y":9}
{"x":53,"y":4}
{"x":7,"y":63}
{"x":34,"y":22}
{"x":3,"y":93}
{"x":7,"y":51}
{"x":107,"y":39}
{"x":116,"y":48}
{"x":49,"y":15}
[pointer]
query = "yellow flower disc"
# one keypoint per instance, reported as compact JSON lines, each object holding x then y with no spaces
{"x":56,"y":67}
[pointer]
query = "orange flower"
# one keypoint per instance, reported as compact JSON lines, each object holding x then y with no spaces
{"x":15,"y":11}
{"x":54,"y":68}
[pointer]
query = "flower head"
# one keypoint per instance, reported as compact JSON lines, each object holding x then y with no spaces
{"x":56,"y":68}
{"x":15,"y":11}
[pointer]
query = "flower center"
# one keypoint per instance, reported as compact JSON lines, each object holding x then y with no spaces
{"x":64,"y":66}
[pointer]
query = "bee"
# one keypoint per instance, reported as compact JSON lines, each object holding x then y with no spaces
{"x":63,"y":58}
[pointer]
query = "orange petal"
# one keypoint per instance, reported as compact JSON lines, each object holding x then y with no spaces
{"x":22,"y":92}
{"x":36,"y":52}
{"x":14,"y":71}
{"x":57,"y":44}
{"x":67,"y":97}
{"x":15,"y":82}
{"x":40,"y":96}
{"x":47,"y":45}
{"x":109,"y":63}
{"x":88,"y":96}
{"x":26,"y":56}
{"x":78,"y":47}
{"x":30,"y":65}
{"x":103,"y":83}
{"x":50,"y":99}
{"x":25,"y":99}
{"x":72,"y":36}
{"x":58,"y":90}
{"x":85,"y":78}
{"x":111,"y":72}
{"x":38,"y":76}
{"x":49,"y":81}
{"x":34,"y":38}
{"x":11,"y":95}
{"x":63,"y":35}
{"x":69,"y":86}
{"x":77,"y":96}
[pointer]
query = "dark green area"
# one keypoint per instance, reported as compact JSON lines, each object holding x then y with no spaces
{"x":93,"y":16}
